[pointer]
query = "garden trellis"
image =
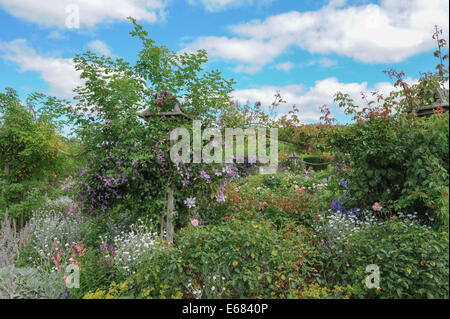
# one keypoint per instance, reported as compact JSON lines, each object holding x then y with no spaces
{"x":166,"y":221}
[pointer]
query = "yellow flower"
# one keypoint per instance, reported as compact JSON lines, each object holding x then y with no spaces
{"x":432,"y":263}
{"x":431,"y":276}
{"x":235,"y":263}
{"x":408,"y":270}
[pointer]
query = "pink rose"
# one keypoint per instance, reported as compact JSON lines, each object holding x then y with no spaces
{"x":376,"y":206}
{"x":194,"y":222}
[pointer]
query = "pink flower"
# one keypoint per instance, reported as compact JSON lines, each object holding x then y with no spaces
{"x":376,"y":206}
{"x":194,"y":222}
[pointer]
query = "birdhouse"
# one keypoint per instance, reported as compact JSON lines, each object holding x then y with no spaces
{"x":177,"y":111}
{"x":428,"y":110}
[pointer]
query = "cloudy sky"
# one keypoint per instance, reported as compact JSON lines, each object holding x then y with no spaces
{"x":306,"y":49}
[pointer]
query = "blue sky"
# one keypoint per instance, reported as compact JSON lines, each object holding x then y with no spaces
{"x":306,"y":49}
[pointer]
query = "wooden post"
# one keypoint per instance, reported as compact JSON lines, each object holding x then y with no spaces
{"x":166,"y":221}
{"x":163,"y":226}
{"x":7,"y":173}
{"x":170,"y":211}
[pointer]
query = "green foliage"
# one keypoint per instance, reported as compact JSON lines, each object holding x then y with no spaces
{"x":315,"y":291}
{"x":95,"y":273}
{"x":317,"y":162}
{"x":413,"y":261}
{"x":29,"y":283}
{"x":129,"y":168}
{"x":29,"y":150}
{"x":397,"y":159}
{"x":236,"y":259}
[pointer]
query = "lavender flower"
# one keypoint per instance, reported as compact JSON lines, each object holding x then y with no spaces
{"x":160,"y":157}
{"x":220,"y":198}
{"x":185,"y":182}
{"x":190,"y":202}
{"x":204,"y":175}
{"x":337,"y":204}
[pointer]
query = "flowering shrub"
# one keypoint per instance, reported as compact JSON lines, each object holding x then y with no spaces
{"x":397,"y":160}
{"x":114,"y":291}
{"x":134,"y":247}
{"x":413,"y":261}
{"x":130,"y":168}
{"x":279,"y":204}
{"x":234,"y":260}
{"x":338,"y":226}
{"x":51,"y":226}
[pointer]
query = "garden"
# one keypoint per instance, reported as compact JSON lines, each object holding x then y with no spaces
{"x":355,"y":211}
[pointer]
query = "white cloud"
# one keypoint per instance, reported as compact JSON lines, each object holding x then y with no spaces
{"x":325,"y":62}
{"x":309,"y":100}
{"x":56,"y":35}
{"x":385,"y":33}
{"x":254,"y":52}
{"x":58,"y":73}
{"x":285,"y":66}
{"x":100,"y":47}
{"x":220,"y":5}
{"x":250,"y":69}
{"x":92,"y":12}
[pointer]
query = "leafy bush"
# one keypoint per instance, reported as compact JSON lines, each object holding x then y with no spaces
{"x":281,"y":205}
{"x":319,"y":163}
{"x":413,"y":261}
{"x":315,"y":291}
{"x":29,"y":146}
{"x":96,"y":272}
{"x":30,"y":283}
{"x":397,"y":159}
{"x":114,"y":291}
{"x":400,"y":162}
{"x":244,"y":259}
